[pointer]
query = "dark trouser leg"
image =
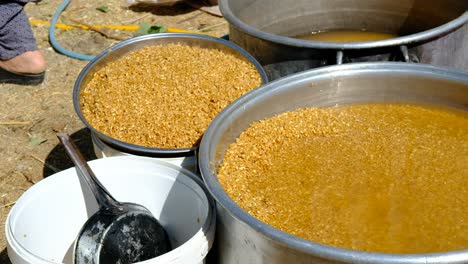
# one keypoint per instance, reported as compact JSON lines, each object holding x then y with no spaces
{"x":16,"y":36}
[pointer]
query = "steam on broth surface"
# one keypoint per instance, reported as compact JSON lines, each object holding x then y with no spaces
{"x":388,"y":178}
{"x":347,"y":36}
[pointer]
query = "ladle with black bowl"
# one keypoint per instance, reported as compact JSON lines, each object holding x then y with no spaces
{"x":117,"y":232}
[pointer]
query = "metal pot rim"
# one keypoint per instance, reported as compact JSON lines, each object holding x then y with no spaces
{"x":137,"y":149}
{"x":403,"y":40}
{"x":321,"y":250}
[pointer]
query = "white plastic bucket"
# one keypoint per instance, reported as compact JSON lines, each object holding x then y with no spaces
{"x":43,"y":224}
{"x":103,"y":150}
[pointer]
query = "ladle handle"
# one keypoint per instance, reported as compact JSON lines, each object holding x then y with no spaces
{"x":103,"y":197}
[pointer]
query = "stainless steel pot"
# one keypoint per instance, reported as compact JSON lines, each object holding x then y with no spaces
{"x":432,"y":31}
{"x":124,"y":47}
{"x":242,"y":238}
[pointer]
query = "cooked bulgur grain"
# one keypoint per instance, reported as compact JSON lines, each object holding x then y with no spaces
{"x":165,"y":96}
{"x":382,"y":178}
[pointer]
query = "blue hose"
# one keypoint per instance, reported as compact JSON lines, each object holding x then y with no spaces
{"x":61,"y":49}
{"x":54,"y":42}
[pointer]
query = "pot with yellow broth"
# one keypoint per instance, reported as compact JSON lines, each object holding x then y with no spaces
{"x":383,"y":178}
{"x":356,"y":163}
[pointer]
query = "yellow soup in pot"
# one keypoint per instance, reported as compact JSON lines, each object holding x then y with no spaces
{"x":347,"y":36}
{"x":388,"y":178}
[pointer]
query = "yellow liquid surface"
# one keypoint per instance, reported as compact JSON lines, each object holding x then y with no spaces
{"x":379,"y":177}
{"x":347,"y":36}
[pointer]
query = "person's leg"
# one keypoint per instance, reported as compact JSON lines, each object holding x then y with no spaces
{"x":18,"y":49}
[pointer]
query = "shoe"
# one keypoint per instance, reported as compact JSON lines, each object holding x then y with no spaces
{"x":21,"y":78}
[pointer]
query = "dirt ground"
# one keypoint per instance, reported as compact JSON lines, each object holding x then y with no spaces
{"x":30,"y":116}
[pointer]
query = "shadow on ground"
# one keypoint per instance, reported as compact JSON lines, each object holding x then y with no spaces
{"x":163,"y":10}
{"x":4,"y":257}
{"x":58,"y":160}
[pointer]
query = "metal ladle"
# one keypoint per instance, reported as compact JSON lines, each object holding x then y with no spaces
{"x":117,"y":232}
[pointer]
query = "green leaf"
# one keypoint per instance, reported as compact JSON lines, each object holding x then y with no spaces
{"x":36,"y":141}
{"x":103,"y":9}
{"x":157,"y":29}
{"x":146,"y":28}
{"x":143,"y":28}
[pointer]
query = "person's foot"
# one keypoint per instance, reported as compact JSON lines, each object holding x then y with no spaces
{"x":30,"y":62}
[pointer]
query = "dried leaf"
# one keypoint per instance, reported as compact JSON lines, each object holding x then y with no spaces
{"x":103,"y":9}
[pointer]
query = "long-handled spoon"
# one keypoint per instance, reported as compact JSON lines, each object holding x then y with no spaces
{"x":117,"y":232}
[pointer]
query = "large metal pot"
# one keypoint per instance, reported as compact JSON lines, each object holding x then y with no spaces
{"x":432,"y":31}
{"x":242,"y":238}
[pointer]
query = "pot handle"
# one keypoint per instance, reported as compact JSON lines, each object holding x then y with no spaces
{"x":411,"y":58}
{"x":404,"y":51}
{"x":339,"y":57}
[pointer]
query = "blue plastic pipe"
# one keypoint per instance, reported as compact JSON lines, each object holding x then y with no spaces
{"x":54,"y":42}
